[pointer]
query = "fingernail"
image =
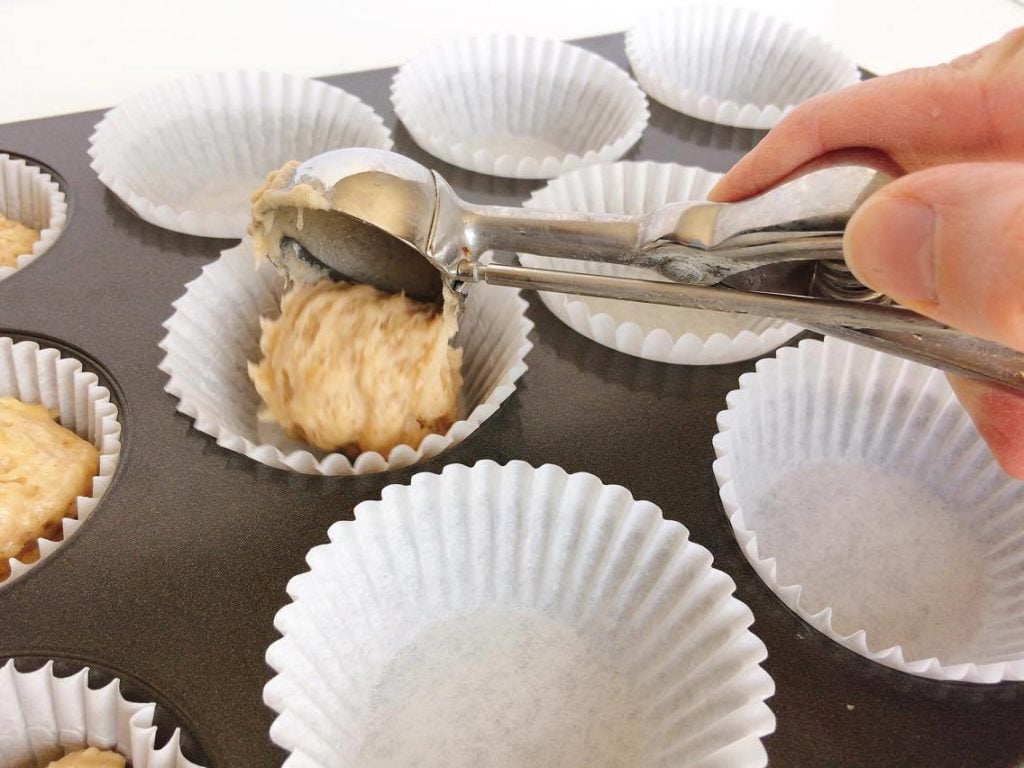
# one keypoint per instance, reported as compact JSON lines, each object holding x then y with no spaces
{"x":889,"y":245}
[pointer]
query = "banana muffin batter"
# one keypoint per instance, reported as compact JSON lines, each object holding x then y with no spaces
{"x":43,"y":468}
{"x":347,"y":367}
{"x":15,"y":240}
{"x":89,"y":758}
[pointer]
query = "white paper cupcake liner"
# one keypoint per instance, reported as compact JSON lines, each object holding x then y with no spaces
{"x":31,"y":197}
{"x":663,"y":334}
{"x":506,"y":615}
{"x":215,"y":331}
{"x":733,"y":66}
{"x":186,"y":155}
{"x":39,"y":375}
{"x":42,"y":714}
{"x":518,"y":107}
{"x":860,"y":491}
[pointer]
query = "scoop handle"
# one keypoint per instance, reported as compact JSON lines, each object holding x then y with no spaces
{"x":584,"y":236}
{"x":694,"y":242}
{"x":963,"y":355}
{"x":895,"y":330}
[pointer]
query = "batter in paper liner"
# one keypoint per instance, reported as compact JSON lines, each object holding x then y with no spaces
{"x":90,"y":758}
{"x":43,"y":468}
{"x":15,"y":240}
{"x":347,"y":367}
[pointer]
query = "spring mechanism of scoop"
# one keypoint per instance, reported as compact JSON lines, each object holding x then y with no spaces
{"x":834,"y":280}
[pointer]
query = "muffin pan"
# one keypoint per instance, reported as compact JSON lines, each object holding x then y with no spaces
{"x":175,"y":579}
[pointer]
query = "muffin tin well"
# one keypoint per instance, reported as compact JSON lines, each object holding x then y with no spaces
{"x":35,"y":196}
{"x":53,"y":705}
{"x":177,"y":577}
{"x":79,"y":393}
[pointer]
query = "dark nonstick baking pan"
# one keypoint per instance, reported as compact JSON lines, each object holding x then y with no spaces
{"x":175,"y":579}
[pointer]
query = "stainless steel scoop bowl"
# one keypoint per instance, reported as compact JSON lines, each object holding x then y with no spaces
{"x":399,"y":226}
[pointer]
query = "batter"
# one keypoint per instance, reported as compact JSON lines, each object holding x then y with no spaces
{"x":15,"y":240}
{"x":89,"y":758}
{"x":43,"y":468}
{"x":347,"y":367}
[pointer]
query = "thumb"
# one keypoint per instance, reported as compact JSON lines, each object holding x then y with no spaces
{"x":948,"y":242}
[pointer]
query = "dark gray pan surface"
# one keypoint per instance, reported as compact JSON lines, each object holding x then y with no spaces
{"x":175,"y":579}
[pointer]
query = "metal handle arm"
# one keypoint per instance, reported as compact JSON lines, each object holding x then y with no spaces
{"x":895,"y":330}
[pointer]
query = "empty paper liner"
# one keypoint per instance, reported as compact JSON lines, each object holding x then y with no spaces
{"x":733,"y":66}
{"x":187,"y":154}
{"x":505,"y":615}
{"x":520,"y":107}
{"x":862,"y":494}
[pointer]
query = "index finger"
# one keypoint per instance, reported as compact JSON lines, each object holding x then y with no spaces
{"x":969,"y":110}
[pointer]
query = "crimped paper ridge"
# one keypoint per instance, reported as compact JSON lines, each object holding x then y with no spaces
{"x":518,"y":107}
{"x":223,"y":133}
{"x":40,"y":713}
{"x":31,"y":197}
{"x":565,"y":546}
{"x":636,"y":188}
{"x":839,"y":401}
{"x":732,"y":66}
{"x":35,"y":374}
{"x":221,"y":309}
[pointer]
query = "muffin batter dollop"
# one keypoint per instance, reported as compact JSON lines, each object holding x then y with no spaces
{"x":347,"y":367}
{"x":15,"y":240}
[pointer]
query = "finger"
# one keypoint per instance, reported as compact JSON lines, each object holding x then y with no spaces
{"x":998,"y":413}
{"x":969,"y":110}
{"x":948,"y":242}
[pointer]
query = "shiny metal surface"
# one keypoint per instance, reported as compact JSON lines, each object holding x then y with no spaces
{"x":383,"y":205}
{"x":833,"y":279}
{"x":699,"y":243}
{"x":799,"y":309}
{"x":695,"y":245}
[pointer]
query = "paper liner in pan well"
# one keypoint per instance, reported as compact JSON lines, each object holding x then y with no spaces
{"x":506,"y":615}
{"x":733,"y":66}
{"x":42,"y":714}
{"x":663,"y":334}
{"x":215,"y":331}
{"x":31,"y":197}
{"x":519,"y":107}
{"x":39,"y":375}
{"x":186,"y":155}
{"x":860,"y":491}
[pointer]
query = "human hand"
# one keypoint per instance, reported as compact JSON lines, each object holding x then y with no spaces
{"x":946,"y":238}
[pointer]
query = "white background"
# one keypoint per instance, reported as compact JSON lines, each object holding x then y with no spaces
{"x":59,"y":56}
